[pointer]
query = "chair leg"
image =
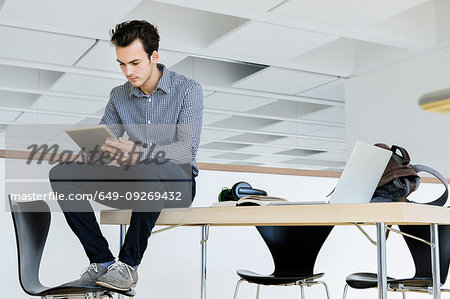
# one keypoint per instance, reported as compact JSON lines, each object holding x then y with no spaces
{"x":302,"y":291}
{"x":326,"y":288}
{"x":237,"y":288}
{"x":345,"y":291}
{"x":404,"y":295}
{"x":258,"y":286}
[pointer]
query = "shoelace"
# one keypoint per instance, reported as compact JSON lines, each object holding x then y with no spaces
{"x":119,"y":266}
{"x":91,"y":266}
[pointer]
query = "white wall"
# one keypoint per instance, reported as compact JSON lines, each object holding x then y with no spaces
{"x":171,"y":266}
{"x":382,"y":106}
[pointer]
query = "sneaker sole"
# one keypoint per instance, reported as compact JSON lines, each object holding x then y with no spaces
{"x":107,"y":285}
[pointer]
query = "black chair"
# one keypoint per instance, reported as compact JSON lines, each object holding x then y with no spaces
{"x":421,"y":253}
{"x":31,"y":225}
{"x":294,"y":250}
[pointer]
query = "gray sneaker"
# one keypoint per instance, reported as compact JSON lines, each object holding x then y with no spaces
{"x":120,"y":276}
{"x":89,"y":276}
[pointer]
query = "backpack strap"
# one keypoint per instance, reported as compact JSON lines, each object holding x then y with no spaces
{"x":443,"y":198}
{"x":405,"y":156}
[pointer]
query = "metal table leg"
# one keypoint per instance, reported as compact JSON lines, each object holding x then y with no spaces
{"x":381,"y":258}
{"x":434,"y":231}
{"x":205,"y":234}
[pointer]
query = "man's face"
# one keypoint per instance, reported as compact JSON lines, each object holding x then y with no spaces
{"x":134,"y":63}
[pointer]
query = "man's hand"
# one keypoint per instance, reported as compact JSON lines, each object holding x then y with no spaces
{"x":122,"y":151}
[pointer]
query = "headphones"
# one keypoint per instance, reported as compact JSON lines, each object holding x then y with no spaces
{"x":238,"y":191}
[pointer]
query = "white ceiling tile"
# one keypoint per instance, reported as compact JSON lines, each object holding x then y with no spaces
{"x":53,"y":103}
{"x":16,"y":99}
{"x":331,"y":91}
{"x":234,"y":156}
{"x":224,"y":146}
{"x":262,"y":149}
{"x":235,"y":102}
{"x":331,"y":145}
{"x":289,"y":127}
{"x":267,"y":159}
{"x":8,"y":116}
{"x":43,"y":118}
{"x":332,"y":114}
{"x":83,"y":84}
{"x":170,"y":58}
{"x":288,"y":109}
{"x":32,"y":45}
{"x":254,"y":138}
{"x":241,"y":122}
{"x":279,"y":80}
{"x":251,"y":39}
{"x":331,"y":132}
{"x":217,"y":134}
{"x":204,"y":154}
{"x":207,"y":93}
{"x":102,"y":56}
{"x":336,"y":156}
{"x":263,"y":5}
{"x":209,"y":118}
{"x":86,"y":15}
{"x":19,"y":77}
{"x":345,"y":13}
{"x":294,"y":142}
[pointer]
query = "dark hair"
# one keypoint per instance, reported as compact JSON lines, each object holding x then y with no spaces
{"x":127,"y":32}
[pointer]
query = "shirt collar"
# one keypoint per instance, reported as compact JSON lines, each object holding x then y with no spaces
{"x":163,"y":83}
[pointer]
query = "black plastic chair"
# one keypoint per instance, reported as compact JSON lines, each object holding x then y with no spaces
{"x":294,"y":250}
{"x":422,"y":281}
{"x":31,"y":225}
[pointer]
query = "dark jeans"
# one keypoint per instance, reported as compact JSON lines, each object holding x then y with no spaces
{"x":126,"y":182}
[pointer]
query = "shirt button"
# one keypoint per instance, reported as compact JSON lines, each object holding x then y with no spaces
{"x":149,"y":100}
{"x":149,"y":122}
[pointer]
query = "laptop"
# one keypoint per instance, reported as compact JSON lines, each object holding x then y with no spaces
{"x":360,"y":177}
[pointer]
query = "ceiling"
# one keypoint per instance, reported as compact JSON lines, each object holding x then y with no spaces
{"x":273,"y":71}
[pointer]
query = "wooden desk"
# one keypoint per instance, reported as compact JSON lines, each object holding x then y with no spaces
{"x":379,"y":214}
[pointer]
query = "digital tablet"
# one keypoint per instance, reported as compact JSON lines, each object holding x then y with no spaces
{"x":91,"y":139}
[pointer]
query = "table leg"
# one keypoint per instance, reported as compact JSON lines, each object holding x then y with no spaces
{"x":435,"y":268}
{"x":381,"y":258}
{"x":123,"y":232}
{"x":205,"y":234}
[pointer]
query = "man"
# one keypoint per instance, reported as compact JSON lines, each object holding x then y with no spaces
{"x":161,"y":112}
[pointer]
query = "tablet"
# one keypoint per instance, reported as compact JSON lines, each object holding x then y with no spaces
{"x":91,"y":139}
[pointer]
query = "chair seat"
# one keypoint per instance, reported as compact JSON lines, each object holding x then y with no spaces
{"x":364,"y":280}
{"x":74,"y":288}
{"x":274,"y":279}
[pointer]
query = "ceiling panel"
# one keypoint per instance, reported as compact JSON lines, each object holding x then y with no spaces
{"x":8,"y":116}
{"x":345,"y":13}
{"x":299,"y":152}
{"x":294,"y":142}
{"x":263,"y":5}
{"x":16,"y":99}
{"x":217,"y":134}
{"x":29,"y":78}
{"x":288,"y":109}
{"x":81,"y":14}
{"x":210,"y":118}
{"x":262,"y":149}
{"x":234,"y":156}
{"x":336,"y":156}
{"x":331,"y":132}
{"x":235,"y":102}
{"x":243,"y":123}
{"x":64,"y":104}
{"x":289,"y":127}
{"x":43,"y":118}
{"x":268,"y":159}
{"x":83,"y":84}
{"x":334,"y":90}
{"x":254,"y":138}
{"x":331,"y":145}
{"x":251,"y":39}
{"x":304,"y":161}
{"x":38,"y":46}
{"x":332,"y":114}
{"x":286,"y":81}
{"x":224,"y":146}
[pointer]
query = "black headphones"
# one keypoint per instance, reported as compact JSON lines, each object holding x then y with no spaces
{"x":239,"y":190}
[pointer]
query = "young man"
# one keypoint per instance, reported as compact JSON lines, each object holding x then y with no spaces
{"x":161,"y":112}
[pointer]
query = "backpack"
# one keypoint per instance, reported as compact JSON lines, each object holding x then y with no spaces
{"x":400,"y":178}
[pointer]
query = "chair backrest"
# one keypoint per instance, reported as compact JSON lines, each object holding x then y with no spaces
{"x":294,"y":249}
{"x":31,"y":225}
{"x":421,"y":252}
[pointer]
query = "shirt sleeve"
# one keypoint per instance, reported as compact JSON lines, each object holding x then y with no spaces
{"x":188,"y":130}
{"x":111,"y":118}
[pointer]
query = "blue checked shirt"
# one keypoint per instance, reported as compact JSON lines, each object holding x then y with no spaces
{"x":170,"y":118}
